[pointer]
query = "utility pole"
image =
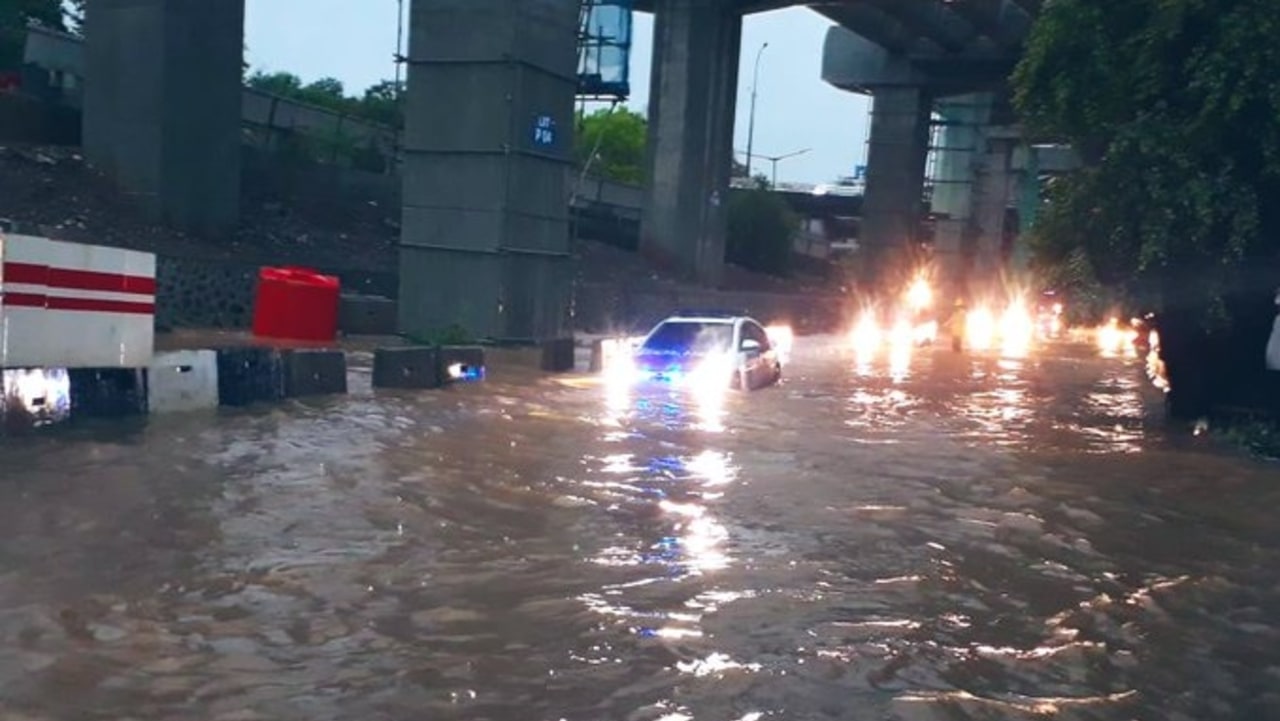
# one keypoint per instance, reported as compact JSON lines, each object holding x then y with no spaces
{"x":751,"y":122}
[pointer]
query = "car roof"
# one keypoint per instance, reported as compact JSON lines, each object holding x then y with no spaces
{"x":702,"y":319}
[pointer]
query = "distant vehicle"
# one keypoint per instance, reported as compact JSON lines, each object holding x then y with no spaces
{"x":716,"y":349}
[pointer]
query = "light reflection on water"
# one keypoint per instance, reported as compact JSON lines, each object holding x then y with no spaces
{"x":965,"y":536}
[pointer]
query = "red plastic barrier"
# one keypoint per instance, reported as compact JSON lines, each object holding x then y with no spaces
{"x":296,"y":304}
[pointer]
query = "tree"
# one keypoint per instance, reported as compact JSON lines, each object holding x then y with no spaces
{"x":1172,"y":104}
{"x":283,"y":84}
{"x":327,"y":93}
{"x":761,"y":230}
{"x":383,"y":103}
{"x":618,"y":137}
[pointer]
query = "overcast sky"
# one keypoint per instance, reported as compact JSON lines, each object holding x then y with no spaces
{"x":354,"y":40}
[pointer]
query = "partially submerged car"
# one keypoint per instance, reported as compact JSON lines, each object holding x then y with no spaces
{"x":708,"y":348}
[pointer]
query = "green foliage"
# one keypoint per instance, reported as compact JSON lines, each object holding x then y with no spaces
{"x":326,"y":93}
{"x":382,"y":103}
{"x":761,"y":229}
{"x":1174,"y":106}
{"x":618,"y":138}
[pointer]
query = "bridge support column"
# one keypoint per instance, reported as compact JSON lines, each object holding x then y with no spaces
{"x":895,"y":175}
{"x":963,"y":119}
{"x":692,"y":101}
{"x":162,"y":105}
{"x":993,"y":192}
{"x":484,"y":243}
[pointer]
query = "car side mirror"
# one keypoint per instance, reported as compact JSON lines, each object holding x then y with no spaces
{"x":750,"y":345}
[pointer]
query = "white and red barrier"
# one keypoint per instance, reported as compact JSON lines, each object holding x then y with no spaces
{"x":70,"y":305}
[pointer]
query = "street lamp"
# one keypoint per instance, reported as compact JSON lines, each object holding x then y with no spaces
{"x":773,"y":159}
{"x":751,"y":122}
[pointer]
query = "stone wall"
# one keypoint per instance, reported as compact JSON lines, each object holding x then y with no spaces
{"x":211,"y":294}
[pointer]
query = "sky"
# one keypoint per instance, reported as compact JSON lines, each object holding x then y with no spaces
{"x":354,"y":41}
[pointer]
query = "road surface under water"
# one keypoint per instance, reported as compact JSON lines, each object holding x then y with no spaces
{"x":932,"y":537}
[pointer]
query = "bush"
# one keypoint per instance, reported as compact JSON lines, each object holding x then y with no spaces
{"x":761,"y":226}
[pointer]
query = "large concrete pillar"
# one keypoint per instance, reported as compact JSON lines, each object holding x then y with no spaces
{"x":488,"y":135}
{"x":896,"y":156}
{"x":963,"y":118}
{"x":992,"y":194}
{"x":162,"y":103}
{"x":692,"y":99}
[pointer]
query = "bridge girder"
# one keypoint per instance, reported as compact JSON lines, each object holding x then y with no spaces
{"x":931,"y":20}
{"x":1005,"y":22}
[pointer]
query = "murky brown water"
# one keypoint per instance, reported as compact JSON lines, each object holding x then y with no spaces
{"x":944,"y":537}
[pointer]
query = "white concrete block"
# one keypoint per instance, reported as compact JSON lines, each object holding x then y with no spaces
{"x":183,"y":381}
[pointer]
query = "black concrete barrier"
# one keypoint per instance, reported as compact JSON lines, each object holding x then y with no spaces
{"x":416,"y":367}
{"x":366,"y":315}
{"x":250,"y":375}
{"x":315,"y":373}
{"x":107,"y":393}
{"x":558,"y":355}
{"x":461,"y":363}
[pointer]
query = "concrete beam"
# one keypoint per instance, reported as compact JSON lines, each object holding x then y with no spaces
{"x":692,"y":100}
{"x":1004,"y":21}
{"x":934,"y":21}
{"x":858,"y":64}
{"x":488,"y":138}
{"x":871,"y":24}
{"x":162,"y":106}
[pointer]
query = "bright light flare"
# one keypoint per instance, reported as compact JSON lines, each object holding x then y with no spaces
{"x":781,"y":338}
{"x":980,"y":328}
{"x":1017,"y":328}
{"x":866,"y":335}
{"x":1116,"y":341}
{"x":926,"y":333}
{"x":902,"y":334}
{"x":919,"y":294}
{"x":617,"y":360}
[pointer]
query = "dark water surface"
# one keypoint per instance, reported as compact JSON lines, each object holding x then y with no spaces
{"x":927,"y":537}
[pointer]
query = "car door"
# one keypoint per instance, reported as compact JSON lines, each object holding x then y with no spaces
{"x":756,"y":361}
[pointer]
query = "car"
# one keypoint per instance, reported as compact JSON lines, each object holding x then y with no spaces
{"x":697,"y":348}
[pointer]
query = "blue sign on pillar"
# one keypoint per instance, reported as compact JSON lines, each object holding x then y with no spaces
{"x":859,"y":172}
{"x":544,"y":131}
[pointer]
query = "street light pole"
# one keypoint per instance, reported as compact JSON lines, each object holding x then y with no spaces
{"x":751,"y":122}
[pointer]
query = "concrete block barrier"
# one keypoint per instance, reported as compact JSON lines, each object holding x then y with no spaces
{"x":415,"y":367}
{"x":183,"y":381}
{"x":366,"y":315}
{"x":315,"y":373}
{"x":559,"y":355}
{"x":250,"y":375}
{"x":461,"y":363}
{"x":31,"y":398}
{"x":108,"y":392}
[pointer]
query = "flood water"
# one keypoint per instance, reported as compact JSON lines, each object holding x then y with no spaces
{"x":932,"y":537}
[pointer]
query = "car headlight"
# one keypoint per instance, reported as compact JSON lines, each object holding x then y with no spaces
{"x":714,"y":369}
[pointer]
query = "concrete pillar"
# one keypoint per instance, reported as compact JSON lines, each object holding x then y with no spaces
{"x":992,"y":187}
{"x":693,"y":96}
{"x":953,"y":192}
{"x":488,"y":135}
{"x":895,"y":175}
{"x":162,"y":105}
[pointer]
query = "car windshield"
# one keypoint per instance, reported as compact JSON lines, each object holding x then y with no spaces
{"x":690,"y":337}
